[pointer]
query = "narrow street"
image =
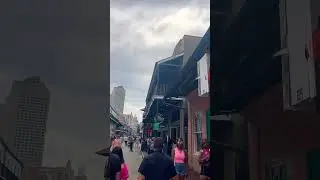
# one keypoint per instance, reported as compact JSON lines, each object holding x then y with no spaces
{"x":133,"y":160}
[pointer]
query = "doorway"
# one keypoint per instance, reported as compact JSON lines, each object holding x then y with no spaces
{"x":173,"y":133}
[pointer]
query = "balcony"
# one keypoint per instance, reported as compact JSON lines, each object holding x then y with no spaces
{"x":251,"y":68}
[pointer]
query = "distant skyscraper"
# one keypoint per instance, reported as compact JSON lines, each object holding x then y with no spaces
{"x":24,"y":116}
{"x":117,"y":98}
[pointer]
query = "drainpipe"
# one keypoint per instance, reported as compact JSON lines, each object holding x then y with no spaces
{"x":182,"y":119}
{"x":169,"y":124}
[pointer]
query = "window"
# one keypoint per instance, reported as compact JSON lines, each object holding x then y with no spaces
{"x":197,"y":131}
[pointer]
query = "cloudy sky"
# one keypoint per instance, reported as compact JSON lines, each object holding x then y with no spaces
{"x":143,"y":32}
{"x":67,"y":44}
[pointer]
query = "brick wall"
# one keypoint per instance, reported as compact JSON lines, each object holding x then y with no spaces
{"x":196,"y":104}
{"x":274,"y":133}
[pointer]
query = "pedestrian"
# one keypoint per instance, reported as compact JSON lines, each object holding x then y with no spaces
{"x":126,"y":140}
{"x":169,"y":148}
{"x":204,"y":161}
{"x":151,"y":148}
{"x":144,"y":148}
{"x":113,"y":168}
{"x":106,"y":151}
{"x":116,"y":142}
{"x":157,"y":166}
{"x":180,"y":159}
{"x":130,"y":140}
{"x":124,"y":173}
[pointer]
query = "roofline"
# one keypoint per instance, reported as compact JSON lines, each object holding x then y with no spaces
{"x":154,"y":69}
{"x":183,"y":71}
{"x":192,"y":36}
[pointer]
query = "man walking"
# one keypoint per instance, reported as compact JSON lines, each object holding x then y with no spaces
{"x":131,"y":143}
{"x":157,"y":166}
{"x":144,"y":148}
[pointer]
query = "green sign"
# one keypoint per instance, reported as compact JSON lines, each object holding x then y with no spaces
{"x":156,"y":126}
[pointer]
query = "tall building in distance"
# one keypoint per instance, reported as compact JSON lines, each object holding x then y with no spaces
{"x":24,"y":118}
{"x":117,"y":99}
{"x":132,"y":121}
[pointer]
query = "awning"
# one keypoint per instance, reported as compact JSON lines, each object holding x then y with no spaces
{"x":161,"y":106}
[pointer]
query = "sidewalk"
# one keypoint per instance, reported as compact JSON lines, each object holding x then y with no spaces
{"x":192,"y":175}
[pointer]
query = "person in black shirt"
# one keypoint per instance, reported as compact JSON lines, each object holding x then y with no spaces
{"x":157,"y":166}
{"x":144,"y":148}
{"x":114,"y":166}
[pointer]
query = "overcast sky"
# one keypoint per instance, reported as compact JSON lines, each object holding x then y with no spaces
{"x":143,"y":32}
{"x":66,"y":43}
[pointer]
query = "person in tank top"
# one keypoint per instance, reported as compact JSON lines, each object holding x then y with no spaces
{"x":180,"y":159}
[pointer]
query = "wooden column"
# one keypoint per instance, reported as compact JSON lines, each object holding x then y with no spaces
{"x":182,"y":111}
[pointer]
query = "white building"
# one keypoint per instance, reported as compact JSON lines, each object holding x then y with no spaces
{"x":132,"y":121}
{"x":186,"y":45}
{"x":117,"y":99}
{"x":23,"y":120}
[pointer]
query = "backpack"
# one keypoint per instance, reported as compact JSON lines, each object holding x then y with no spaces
{"x":124,"y":174}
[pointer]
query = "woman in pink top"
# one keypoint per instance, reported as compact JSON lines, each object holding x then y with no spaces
{"x":180,"y":159}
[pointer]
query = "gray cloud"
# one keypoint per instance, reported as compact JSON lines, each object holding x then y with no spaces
{"x":144,"y":32}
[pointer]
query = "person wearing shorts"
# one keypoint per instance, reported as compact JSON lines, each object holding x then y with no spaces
{"x":180,"y":160}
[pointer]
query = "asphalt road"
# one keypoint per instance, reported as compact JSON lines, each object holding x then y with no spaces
{"x":133,"y":160}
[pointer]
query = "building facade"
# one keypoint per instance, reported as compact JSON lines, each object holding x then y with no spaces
{"x":131,"y":121}
{"x":24,"y":117}
{"x":191,"y":119}
{"x":117,"y":99}
{"x":198,"y":109}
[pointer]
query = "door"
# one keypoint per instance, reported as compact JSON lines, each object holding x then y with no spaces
{"x":208,"y":123}
{"x":313,"y":164}
{"x":174,"y":133}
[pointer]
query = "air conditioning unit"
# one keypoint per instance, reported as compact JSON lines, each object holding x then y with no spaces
{"x":298,"y":70}
{"x":203,"y":75}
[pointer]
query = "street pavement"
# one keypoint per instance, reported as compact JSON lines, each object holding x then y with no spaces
{"x":133,"y":160}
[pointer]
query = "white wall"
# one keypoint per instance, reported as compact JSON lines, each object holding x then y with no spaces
{"x":190,"y":43}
